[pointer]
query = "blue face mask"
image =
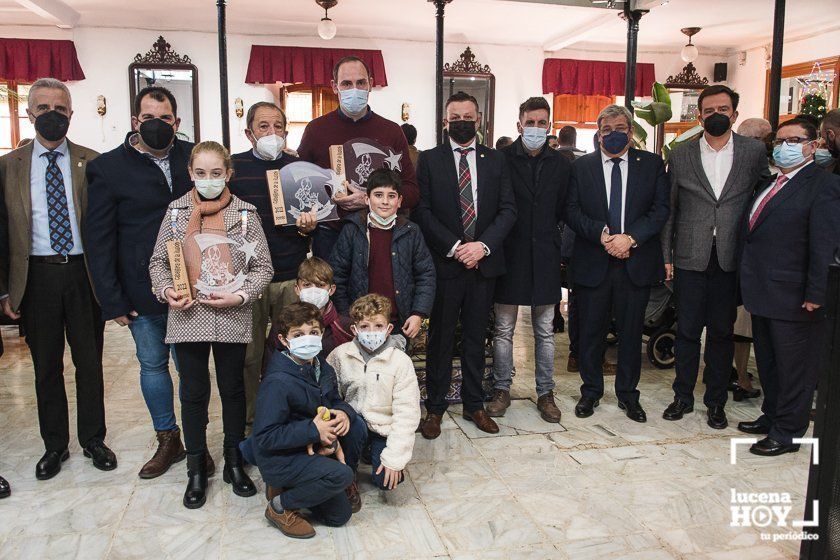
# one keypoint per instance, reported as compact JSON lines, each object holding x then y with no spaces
{"x":353,"y":101}
{"x":305,"y":347}
{"x":533,"y":137}
{"x":615,"y":141}
{"x":788,"y":156}
{"x":823,"y":157}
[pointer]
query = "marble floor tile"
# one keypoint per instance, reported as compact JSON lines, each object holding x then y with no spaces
{"x":196,"y":540}
{"x":378,"y":533}
{"x":92,"y":545}
{"x":597,"y":548}
{"x":469,"y":478}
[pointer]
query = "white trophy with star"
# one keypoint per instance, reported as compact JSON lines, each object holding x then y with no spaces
{"x":302,"y":187}
{"x":356,"y":159}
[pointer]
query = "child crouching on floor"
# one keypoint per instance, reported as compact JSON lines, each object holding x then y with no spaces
{"x":378,"y":380}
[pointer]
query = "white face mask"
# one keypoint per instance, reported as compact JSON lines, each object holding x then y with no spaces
{"x":372,"y":339}
{"x":533,"y":137}
{"x":384,"y":222}
{"x":210,"y":188}
{"x":316,"y":296}
{"x":271,"y":146}
{"x":353,"y":101}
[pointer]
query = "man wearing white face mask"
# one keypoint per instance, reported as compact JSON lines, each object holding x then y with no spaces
{"x":266,"y":131}
{"x":540,"y":177}
{"x":352,"y":83}
{"x":791,"y":231}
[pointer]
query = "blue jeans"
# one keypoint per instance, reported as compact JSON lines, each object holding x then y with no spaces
{"x":353,"y":443}
{"x":149,"y":332}
{"x":542,"y":317}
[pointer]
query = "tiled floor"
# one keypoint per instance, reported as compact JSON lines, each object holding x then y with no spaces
{"x":600,"y":488}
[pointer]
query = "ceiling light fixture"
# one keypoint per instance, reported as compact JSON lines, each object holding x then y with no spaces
{"x":326,"y":27}
{"x":689,"y":53}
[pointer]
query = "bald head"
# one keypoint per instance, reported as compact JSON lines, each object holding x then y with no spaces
{"x":755,"y":128}
{"x":831,"y":131}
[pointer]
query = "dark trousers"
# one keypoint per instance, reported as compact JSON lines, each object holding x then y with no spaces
{"x":317,"y":483}
{"x":619,"y":296}
{"x":705,"y":299}
{"x":788,"y":356}
{"x":468,"y":298}
{"x":359,"y":435}
{"x":194,"y":372}
{"x":573,"y":326}
{"x":323,"y":240}
{"x":58,"y":301}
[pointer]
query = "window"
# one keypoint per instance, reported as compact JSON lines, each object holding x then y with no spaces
{"x":302,"y":104}
{"x":14,"y":123}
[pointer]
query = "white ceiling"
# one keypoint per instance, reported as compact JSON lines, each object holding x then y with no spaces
{"x":727,"y":24}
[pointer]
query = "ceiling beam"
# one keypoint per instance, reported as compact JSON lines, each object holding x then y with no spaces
{"x":54,"y":11}
{"x":567,"y":40}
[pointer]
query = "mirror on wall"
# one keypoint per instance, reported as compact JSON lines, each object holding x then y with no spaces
{"x":805,"y":86}
{"x":162,"y":66}
{"x":469,"y":76}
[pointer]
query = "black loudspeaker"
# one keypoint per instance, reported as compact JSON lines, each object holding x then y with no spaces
{"x":720,"y":71}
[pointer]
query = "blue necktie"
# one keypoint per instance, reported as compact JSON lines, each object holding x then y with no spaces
{"x":61,"y":236}
{"x":615,"y":198}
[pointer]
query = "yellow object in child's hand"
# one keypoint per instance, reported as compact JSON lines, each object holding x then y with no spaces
{"x":324,"y":413}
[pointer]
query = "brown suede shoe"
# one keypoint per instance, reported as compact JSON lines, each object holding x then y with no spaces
{"x":170,"y":450}
{"x":430,"y":429}
{"x":354,"y":497}
{"x":572,"y":365}
{"x":499,"y":404}
{"x":482,"y":421}
{"x":290,"y":523}
{"x":548,"y":408}
{"x":609,"y":369}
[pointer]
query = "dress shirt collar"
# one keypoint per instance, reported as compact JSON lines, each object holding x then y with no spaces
{"x":38,"y":149}
{"x":456,"y":146}
{"x":790,"y":174}
{"x":606,"y":158}
{"x":707,"y":148}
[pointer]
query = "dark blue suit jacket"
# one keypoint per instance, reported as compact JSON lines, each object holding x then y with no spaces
{"x":645,"y":214}
{"x":785,"y":257}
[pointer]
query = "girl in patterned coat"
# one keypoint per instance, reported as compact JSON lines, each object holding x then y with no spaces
{"x":221,"y":242}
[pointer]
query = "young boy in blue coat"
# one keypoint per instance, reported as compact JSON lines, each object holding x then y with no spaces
{"x":379,"y":252}
{"x":298,"y":451}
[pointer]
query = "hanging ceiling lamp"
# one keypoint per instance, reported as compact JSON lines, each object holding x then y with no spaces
{"x":689,"y":52}
{"x":326,"y":27}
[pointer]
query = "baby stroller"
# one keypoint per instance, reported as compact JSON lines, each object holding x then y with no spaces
{"x":660,"y":326}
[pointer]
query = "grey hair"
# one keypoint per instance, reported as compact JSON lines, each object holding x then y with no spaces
{"x":755,"y":128}
{"x":615,"y":111}
{"x":48,"y":83}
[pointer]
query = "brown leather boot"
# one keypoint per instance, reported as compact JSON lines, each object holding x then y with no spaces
{"x":290,"y":523}
{"x":572,"y":365}
{"x":354,"y":497}
{"x":482,"y":421}
{"x":548,"y":408}
{"x":499,"y":404}
{"x":430,"y":429}
{"x":170,"y":450}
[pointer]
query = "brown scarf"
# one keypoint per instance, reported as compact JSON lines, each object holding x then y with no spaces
{"x":207,"y":217}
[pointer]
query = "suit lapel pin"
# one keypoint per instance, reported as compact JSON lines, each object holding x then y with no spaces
{"x":79,"y":164}
{"x":482,"y":155}
{"x":638,"y":159}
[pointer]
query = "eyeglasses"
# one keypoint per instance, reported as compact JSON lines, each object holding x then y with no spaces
{"x":792,"y":141}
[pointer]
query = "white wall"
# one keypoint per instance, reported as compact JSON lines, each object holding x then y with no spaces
{"x":105,"y":54}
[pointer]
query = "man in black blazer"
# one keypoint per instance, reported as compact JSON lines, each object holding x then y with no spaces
{"x":466,"y":210}
{"x":617,"y":205}
{"x":130,"y":188}
{"x":790,"y":233}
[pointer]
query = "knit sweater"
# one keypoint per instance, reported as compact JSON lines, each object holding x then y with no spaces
{"x":337,"y":128}
{"x":380,"y":268}
{"x":288,"y":249}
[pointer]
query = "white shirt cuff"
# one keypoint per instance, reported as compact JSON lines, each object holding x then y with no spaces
{"x":451,"y":252}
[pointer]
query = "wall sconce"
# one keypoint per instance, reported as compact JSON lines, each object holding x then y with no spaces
{"x":405,"y":112}
{"x":239,"y":107}
{"x":101,"y":105}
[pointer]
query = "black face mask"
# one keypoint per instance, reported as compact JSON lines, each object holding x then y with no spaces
{"x":717,"y":124}
{"x":52,"y":125}
{"x":462,"y":131}
{"x":156,"y":133}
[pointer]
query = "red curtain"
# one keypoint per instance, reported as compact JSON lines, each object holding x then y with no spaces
{"x":306,"y":65}
{"x":593,"y":77}
{"x":26,"y":60}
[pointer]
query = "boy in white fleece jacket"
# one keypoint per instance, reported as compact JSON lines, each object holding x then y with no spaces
{"x":377,"y":379}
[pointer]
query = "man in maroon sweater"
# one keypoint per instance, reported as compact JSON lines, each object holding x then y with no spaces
{"x":353,"y":119}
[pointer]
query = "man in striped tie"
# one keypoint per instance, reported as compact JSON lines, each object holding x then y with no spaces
{"x":466,"y":210}
{"x":791,"y":232}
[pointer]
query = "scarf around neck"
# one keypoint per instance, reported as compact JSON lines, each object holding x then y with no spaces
{"x":213,"y":263}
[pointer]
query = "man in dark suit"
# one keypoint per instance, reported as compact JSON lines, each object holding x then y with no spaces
{"x":466,"y":210}
{"x":830,"y":129}
{"x":617,"y":205}
{"x":791,"y":231}
{"x":43,"y":280}
{"x":712,"y":180}
{"x":130,"y":188}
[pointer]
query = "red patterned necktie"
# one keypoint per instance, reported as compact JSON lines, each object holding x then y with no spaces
{"x":776,"y":188}
{"x":468,"y":215}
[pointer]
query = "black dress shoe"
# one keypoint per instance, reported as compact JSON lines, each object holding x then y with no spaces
{"x":716,"y":418}
{"x":103,"y":458}
{"x":676,"y":410}
{"x":633,"y":411}
{"x":585,"y":407}
{"x":739,"y":394}
{"x":756,"y":427}
{"x":50,"y":464}
{"x":769,"y":447}
{"x":5,"y":489}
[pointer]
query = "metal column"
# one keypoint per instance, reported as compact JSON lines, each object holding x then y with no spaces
{"x":223,"y":74}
